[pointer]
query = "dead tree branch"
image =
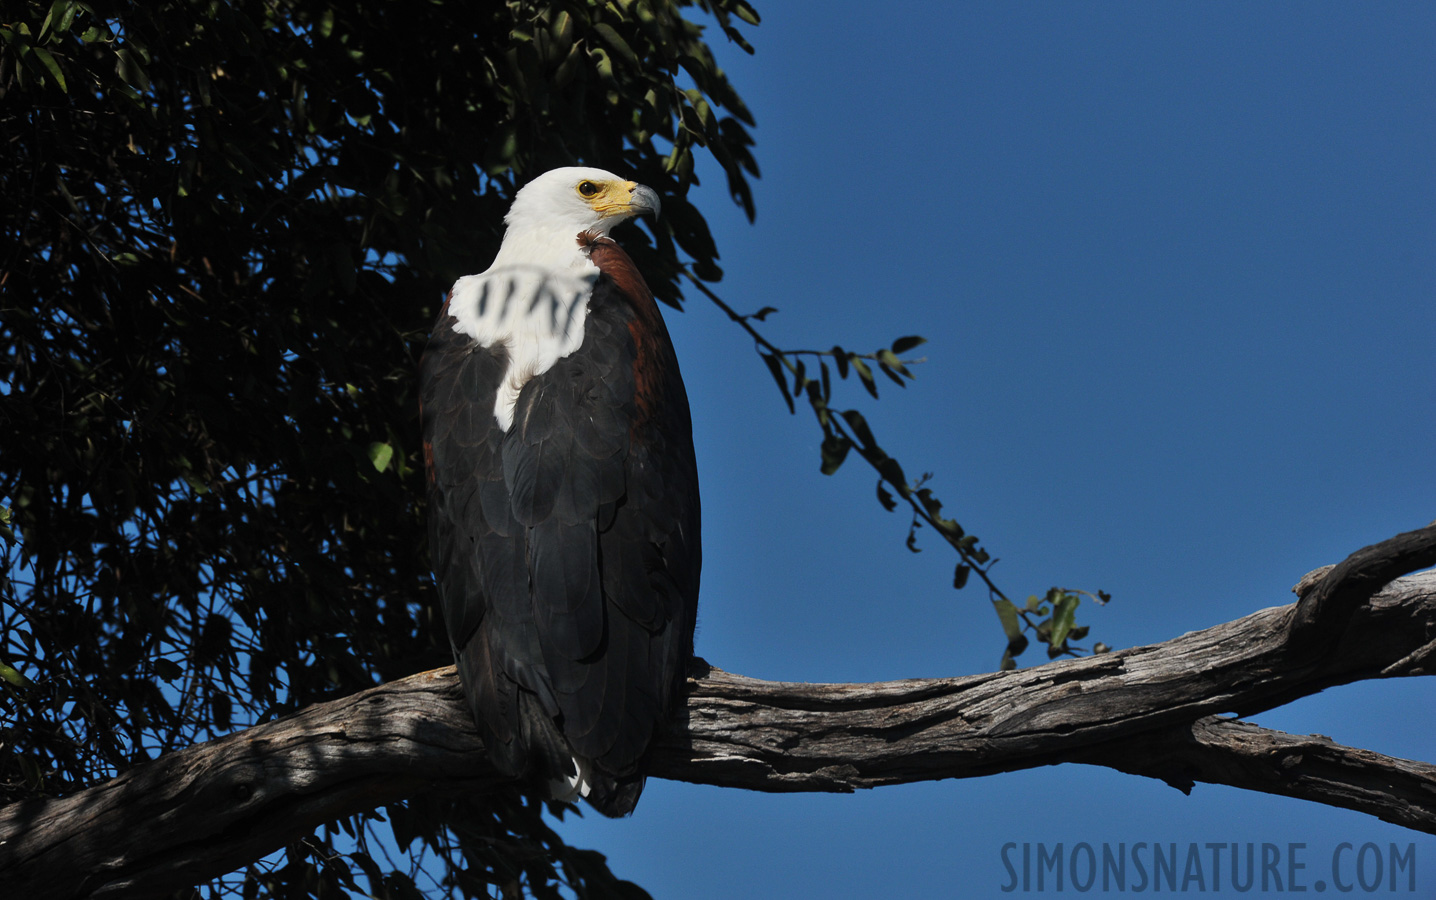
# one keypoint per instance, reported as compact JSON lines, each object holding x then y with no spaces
{"x":1327,"y":603}
{"x":1310,"y":766}
{"x":1146,"y":710}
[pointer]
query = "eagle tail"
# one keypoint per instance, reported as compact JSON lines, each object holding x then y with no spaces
{"x":549,"y":760}
{"x":614,"y":797}
{"x":563,"y":775}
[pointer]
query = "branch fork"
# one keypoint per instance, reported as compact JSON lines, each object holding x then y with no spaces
{"x":1158,"y":710}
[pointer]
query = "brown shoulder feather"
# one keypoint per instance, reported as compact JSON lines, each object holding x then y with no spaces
{"x":650,"y":336}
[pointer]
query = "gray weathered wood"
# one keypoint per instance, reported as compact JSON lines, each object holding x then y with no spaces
{"x":1328,"y":602}
{"x":208,"y":809}
{"x":772,"y":736}
{"x":1310,"y":766}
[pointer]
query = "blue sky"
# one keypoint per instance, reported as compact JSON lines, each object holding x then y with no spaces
{"x":1176,"y":264}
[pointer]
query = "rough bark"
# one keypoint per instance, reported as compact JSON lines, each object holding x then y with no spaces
{"x":1310,"y":766}
{"x":1328,"y":602}
{"x":1147,"y":710}
{"x":210,"y":808}
{"x":772,"y":736}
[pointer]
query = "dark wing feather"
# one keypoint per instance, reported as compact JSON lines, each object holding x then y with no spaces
{"x":566,"y":549}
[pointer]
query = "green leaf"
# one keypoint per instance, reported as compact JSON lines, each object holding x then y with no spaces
{"x":705,"y":115}
{"x":815,"y":395}
{"x":50,"y":65}
{"x":602,"y":63}
{"x":950,"y":529}
{"x":959,"y":577}
{"x":912,"y":536}
{"x":619,"y":45}
{"x":931,"y":504}
{"x":96,"y":33}
{"x":1007,"y":614}
{"x":775,"y":366}
{"x":50,"y":17}
{"x":866,"y":375}
{"x":168,"y":669}
{"x":840,"y":356}
{"x":860,"y":428}
{"x":381,"y":454}
{"x":1064,"y":612}
{"x":835,"y":450}
{"x":13,"y":676}
{"x":763,"y":313}
{"x":680,"y":162}
{"x":34,"y":775}
{"x":888,"y":371}
{"x":885,"y":498}
{"x":503,"y":146}
{"x":129,"y":67}
{"x":222,"y":709}
{"x":888,"y":468}
{"x":889,"y":359}
{"x":904,"y":344}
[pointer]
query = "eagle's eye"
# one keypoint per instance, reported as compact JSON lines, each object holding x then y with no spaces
{"x":587,"y":188}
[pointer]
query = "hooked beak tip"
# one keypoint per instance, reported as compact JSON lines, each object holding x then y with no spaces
{"x":645,"y":200}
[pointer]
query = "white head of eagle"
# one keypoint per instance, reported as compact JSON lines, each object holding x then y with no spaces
{"x":563,"y":494}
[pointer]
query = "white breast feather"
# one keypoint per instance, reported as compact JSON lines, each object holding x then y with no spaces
{"x":536,"y":313}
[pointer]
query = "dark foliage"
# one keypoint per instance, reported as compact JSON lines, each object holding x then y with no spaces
{"x":227,"y":227}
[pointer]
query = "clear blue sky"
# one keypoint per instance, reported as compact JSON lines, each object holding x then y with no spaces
{"x":1176,"y":263}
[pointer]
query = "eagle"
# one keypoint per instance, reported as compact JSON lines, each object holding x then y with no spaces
{"x":563,"y":494}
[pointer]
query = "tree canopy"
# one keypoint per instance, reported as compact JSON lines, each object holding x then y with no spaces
{"x":230,"y":226}
{"x":228,"y":229}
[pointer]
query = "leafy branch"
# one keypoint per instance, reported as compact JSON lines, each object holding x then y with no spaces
{"x":1051,"y":618}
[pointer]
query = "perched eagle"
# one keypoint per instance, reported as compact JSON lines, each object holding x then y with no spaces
{"x":563,"y":494}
